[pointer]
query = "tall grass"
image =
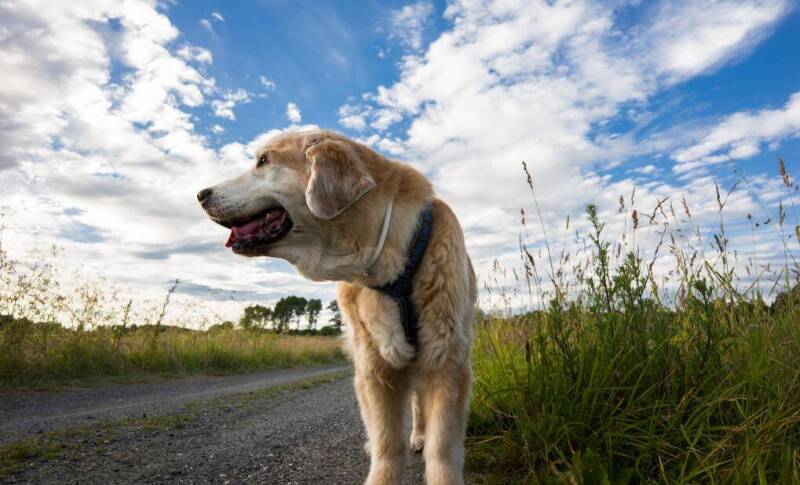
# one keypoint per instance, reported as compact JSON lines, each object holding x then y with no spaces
{"x":38,"y":353}
{"x":55,"y":330}
{"x":626,"y":376}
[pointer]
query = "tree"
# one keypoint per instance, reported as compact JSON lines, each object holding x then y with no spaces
{"x":313,"y":308}
{"x":336,"y":318}
{"x":299,"y":305}
{"x":255,"y":316}
{"x":221,"y":327}
{"x":281,"y":315}
{"x":287,"y":309}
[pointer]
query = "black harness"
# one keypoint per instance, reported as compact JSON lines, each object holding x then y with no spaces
{"x":400,"y":289}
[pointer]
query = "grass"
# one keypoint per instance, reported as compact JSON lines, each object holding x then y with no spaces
{"x":34,"y":354}
{"x":695,"y":396}
{"x":618,"y":375}
{"x":15,"y":456}
{"x":57,"y":330}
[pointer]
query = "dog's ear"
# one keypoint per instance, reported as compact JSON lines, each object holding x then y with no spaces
{"x":338,"y":178}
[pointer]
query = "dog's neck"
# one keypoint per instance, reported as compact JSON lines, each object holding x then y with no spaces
{"x":407,"y":190}
{"x":390,"y":257}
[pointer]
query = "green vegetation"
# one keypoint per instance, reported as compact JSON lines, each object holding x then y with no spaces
{"x":628,"y":377}
{"x":46,"y":354}
{"x":56,"y":330}
{"x":14,"y":456}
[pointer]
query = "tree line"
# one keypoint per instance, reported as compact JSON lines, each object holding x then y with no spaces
{"x":289,"y":312}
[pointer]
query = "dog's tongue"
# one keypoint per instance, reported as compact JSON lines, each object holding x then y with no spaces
{"x":243,"y":231}
{"x":247,"y":229}
{"x":271,"y":220}
{"x":231,"y":240}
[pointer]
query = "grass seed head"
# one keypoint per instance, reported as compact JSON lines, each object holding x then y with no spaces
{"x":783,"y":173}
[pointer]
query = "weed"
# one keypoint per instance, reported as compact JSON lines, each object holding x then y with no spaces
{"x":14,"y":456}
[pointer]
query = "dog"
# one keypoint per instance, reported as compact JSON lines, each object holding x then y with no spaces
{"x":339,"y":211}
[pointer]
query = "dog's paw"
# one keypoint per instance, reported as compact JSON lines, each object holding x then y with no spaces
{"x":367,"y":448}
{"x":417,"y":442}
{"x":398,"y":352}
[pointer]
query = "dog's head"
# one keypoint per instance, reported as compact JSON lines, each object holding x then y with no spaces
{"x":299,"y":202}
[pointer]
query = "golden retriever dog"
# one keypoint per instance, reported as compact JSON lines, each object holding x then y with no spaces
{"x":338,"y":211}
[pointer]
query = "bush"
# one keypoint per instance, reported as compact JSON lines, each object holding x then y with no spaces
{"x":330,"y":330}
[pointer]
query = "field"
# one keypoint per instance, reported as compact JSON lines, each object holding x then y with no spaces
{"x":611,"y":374}
{"x":54,"y":334}
{"x":42,"y":354}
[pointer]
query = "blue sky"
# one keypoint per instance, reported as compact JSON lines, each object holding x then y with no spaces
{"x":326,"y":54}
{"x":319,"y":53}
{"x":115,"y":113}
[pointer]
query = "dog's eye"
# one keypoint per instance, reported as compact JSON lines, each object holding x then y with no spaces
{"x":262,"y":160}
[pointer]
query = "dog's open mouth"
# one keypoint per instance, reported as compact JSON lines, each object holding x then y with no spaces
{"x":268,"y":227}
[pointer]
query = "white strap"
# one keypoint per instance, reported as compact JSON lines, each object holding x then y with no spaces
{"x":384,"y":231}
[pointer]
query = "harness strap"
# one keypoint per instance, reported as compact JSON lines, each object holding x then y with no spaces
{"x":400,"y":290}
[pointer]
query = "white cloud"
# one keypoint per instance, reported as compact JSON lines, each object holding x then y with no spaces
{"x":647,"y":170}
{"x":352,"y":117}
{"x":223,"y":108}
{"x":359,"y":117}
{"x":108,"y":167}
{"x":293,"y":113}
{"x":691,"y":37}
{"x":408,"y":23}
{"x":267,"y":82}
{"x":193,"y":53}
{"x":384,"y":118}
{"x":536,"y":81}
{"x":207,"y":25}
{"x":741,"y":135}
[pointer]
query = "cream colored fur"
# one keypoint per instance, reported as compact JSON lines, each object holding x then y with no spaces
{"x":350,"y":186}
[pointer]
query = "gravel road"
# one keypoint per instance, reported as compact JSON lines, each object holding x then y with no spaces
{"x":290,"y":426}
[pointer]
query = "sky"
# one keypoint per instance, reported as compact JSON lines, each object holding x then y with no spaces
{"x":115,"y":113}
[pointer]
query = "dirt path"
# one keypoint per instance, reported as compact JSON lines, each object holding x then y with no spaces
{"x":25,"y":413}
{"x":282,"y":427}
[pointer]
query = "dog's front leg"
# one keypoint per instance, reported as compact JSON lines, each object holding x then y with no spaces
{"x":383,"y":401}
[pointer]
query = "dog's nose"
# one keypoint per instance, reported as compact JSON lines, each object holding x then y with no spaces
{"x":203,"y":195}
